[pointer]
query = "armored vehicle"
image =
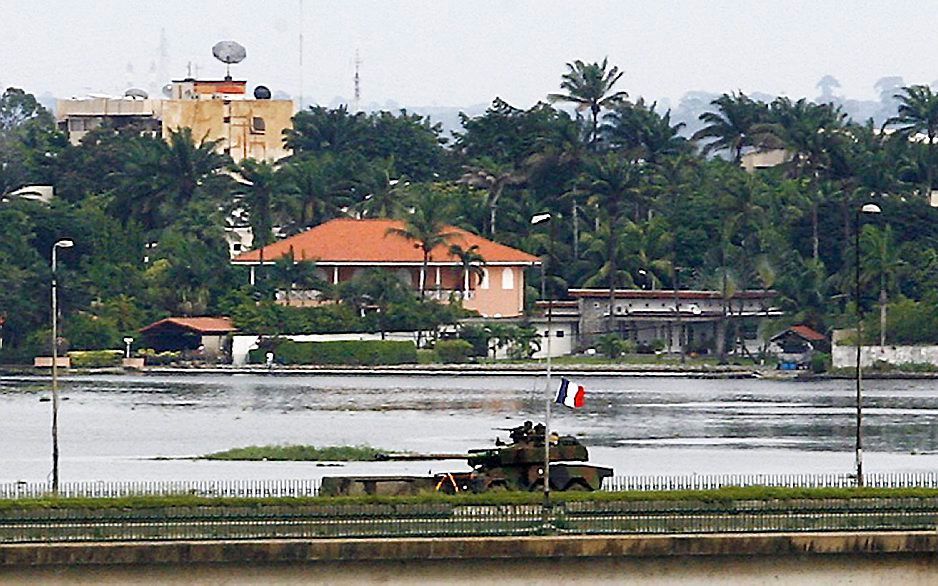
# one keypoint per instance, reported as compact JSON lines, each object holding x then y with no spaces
{"x":518,"y":465}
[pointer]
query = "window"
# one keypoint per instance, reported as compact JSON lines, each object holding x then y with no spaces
{"x":559,"y":333}
{"x":236,"y":246}
{"x":226,"y":119}
{"x":484,"y":281}
{"x":508,"y":279}
{"x":258,"y":126}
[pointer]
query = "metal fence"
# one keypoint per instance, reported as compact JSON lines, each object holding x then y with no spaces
{"x":310,"y":487}
{"x":206,"y":488}
{"x":454,"y":520}
{"x":714,"y":481}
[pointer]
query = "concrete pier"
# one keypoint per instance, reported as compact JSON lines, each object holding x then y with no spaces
{"x":797,"y":558}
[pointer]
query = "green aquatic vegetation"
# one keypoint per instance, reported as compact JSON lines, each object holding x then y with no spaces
{"x":298,"y":453}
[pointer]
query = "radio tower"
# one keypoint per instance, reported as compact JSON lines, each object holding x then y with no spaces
{"x":358,"y":85}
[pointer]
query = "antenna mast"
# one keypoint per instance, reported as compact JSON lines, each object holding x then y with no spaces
{"x":300,"y":105}
{"x":358,"y":85}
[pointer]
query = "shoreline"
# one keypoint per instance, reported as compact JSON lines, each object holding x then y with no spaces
{"x":487,"y":370}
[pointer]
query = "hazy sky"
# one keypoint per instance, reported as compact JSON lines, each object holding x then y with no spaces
{"x":442,"y":52}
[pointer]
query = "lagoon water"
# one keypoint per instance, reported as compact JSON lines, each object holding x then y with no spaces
{"x":124,"y":427}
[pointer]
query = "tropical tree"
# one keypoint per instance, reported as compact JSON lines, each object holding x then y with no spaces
{"x":729,"y":127}
{"x":918,"y":114}
{"x":379,"y":193}
{"x":262,"y":194}
{"x":471,"y":262}
{"x":612,"y":183}
{"x":317,"y":189}
{"x":426,"y":227}
{"x":650,"y":249}
{"x":881,"y":261}
{"x":492,"y":177}
{"x":643,"y":134}
{"x":591,"y":86}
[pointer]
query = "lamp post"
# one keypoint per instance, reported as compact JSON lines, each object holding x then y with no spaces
{"x":677,"y":313}
{"x":55,"y":365}
{"x":870,"y":208}
{"x":127,"y":342}
{"x":535,"y":220}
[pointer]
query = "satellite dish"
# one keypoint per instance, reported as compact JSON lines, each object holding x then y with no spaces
{"x":229,"y":52}
{"x":262,"y":92}
{"x":136,"y":92}
{"x":168,"y":90}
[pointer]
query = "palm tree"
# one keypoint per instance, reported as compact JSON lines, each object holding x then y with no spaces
{"x":881,"y":261}
{"x":318,"y":191}
{"x":162,"y":177}
{"x":426,"y":227}
{"x":263,"y":197}
{"x":649,"y":245}
{"x":639,"y":130}
{"x":471,"y":262}
{"x":813,"y":134}
{"x":611,"y":183}
{"x":493,"y":177}
{"x":918,"y":114}
{"x":730,"y":125}
{"x":381,"y":193}
{"x":591,"y":86}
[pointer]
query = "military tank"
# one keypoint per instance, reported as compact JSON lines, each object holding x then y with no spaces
{"x":518,"y":465}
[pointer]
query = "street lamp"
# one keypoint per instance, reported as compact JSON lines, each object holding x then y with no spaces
{"x":870,"y":208}
{"x":55,"y":365}
{"x":535,"y":220}
{"x":127,"y":342}
{"x":677,"y":312}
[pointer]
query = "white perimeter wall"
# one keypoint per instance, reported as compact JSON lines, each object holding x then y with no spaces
{"x":846,"y":356}
{"x":241,"y":345}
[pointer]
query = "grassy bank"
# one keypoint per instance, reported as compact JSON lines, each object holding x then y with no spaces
{"x":294,"y":453}
{"x":730,"y":494}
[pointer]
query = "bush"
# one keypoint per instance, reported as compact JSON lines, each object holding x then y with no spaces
{"x":350,"y":352}
{"x":153,"y":358}
{"x":95,"y":358}
{"x":453,"y":351}
{"x":820,"y":362}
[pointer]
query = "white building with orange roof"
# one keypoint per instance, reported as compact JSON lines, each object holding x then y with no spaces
{"x":345,"y":247}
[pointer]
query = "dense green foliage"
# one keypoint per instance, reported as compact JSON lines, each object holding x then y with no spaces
{"x":299,"y":454}
{"x":95,"y":358}
{"x":634,"y":201}
{"x":452,"y":351}
{"x":350,"y":352}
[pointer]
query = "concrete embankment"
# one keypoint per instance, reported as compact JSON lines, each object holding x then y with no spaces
{"x":577,"y":370}
{"x":829,"y":558}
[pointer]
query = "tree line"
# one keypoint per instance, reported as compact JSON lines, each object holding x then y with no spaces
{"x":636,"y":203}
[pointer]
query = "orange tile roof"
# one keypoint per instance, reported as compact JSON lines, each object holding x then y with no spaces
{"x":201,"y":325}
{"x":367,"y":241}
{"x":807,"y":333}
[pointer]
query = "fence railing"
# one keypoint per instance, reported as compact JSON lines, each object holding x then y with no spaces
{"x":207,"y":488}
{"x":310,"y":487}
{"x":454,"y":520}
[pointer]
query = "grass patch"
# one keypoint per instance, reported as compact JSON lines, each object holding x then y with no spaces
{"x":298,"y":454}
{"x":729,"y":494}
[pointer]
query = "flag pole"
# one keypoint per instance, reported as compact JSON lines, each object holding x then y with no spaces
{"x":537,"y":219}
{"x":547,"y":402}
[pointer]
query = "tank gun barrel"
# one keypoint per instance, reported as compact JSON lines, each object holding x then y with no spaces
{"x":418,"y":457}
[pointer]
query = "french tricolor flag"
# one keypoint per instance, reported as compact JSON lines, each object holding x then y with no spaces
{"x":570,"y":394}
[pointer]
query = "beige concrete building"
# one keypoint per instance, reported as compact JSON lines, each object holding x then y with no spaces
{"x":246,"y":127}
